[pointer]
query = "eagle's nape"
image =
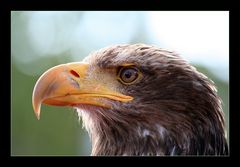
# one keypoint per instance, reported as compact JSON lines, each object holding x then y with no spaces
{"x":138,"y":100}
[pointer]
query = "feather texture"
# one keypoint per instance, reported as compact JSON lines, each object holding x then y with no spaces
{"x":175,"y":111}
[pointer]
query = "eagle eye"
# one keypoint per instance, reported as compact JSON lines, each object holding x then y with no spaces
{"x":127,"y":75}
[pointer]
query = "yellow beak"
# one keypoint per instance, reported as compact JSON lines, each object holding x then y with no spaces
{"x":69,"y":85}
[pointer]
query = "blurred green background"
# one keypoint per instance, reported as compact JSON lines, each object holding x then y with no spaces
{"x":41,"y":40}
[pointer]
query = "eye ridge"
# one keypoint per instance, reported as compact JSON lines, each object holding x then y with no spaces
{"x":128,"y":75}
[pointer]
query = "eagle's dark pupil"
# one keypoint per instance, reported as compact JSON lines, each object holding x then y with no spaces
{"x":128,"y":74}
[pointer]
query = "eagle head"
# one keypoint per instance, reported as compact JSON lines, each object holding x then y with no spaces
{"x":138,"y":100}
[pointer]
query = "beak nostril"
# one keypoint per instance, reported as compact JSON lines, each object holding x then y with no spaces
{"x":74,"y":73}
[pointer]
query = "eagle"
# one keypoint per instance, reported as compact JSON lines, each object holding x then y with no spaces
{"x":138,"y":99}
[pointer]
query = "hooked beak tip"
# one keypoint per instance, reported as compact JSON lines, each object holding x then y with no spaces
{"x":38,"y":116}
{"x":37,"y":111}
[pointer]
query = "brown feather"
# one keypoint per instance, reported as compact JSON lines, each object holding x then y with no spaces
{"x":175,"y":111}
